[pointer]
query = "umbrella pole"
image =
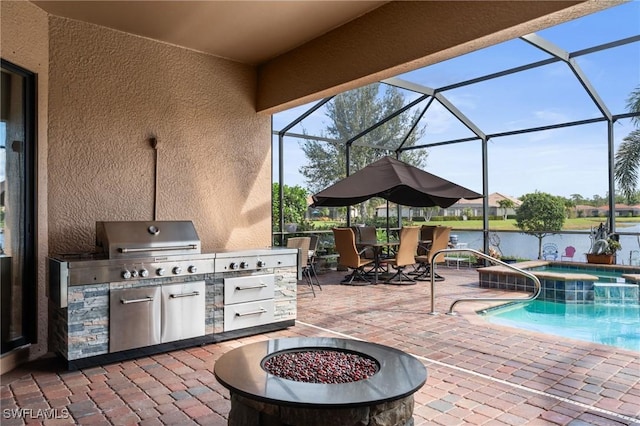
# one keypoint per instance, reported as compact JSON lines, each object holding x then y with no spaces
{"x":387,"y":220}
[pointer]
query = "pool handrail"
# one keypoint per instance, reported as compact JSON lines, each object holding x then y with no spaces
{"x":536,"y":281}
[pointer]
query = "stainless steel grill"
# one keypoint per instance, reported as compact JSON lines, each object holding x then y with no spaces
{"x":124,"y":240}
{"x":150,"y":311}
{"x":127,"y":251}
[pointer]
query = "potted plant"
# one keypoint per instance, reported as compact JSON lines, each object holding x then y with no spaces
{"x":603,"y":251}
{"x":509,"y":259}
{"x":479,"y":261}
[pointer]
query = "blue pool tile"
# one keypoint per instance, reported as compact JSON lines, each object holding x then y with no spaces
{"x":549,"y":294}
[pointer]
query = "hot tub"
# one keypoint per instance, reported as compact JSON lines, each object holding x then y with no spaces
{"x":574,"y":283}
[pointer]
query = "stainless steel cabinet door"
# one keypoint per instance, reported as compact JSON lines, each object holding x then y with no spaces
{"x":249,"y":288}
{"x":250,"y":314}
{"x":183,"y":308}
{"x":134,"y":318}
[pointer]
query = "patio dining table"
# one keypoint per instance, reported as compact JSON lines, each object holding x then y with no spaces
{"x":378,"y":249}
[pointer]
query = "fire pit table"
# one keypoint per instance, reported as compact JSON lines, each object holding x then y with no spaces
{"x":378,"y":395}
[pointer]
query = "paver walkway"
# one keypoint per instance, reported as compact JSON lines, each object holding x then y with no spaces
{"x":478,"y":373}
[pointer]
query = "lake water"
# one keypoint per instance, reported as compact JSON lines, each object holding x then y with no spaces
{"x":526,"y":246}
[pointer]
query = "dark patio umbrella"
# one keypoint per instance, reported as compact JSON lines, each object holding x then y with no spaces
{"x":395,"y":181}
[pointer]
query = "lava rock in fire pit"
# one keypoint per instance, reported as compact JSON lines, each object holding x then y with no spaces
{"x":320,"y":366}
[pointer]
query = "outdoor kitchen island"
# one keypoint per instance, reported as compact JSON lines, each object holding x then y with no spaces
{"x":120,"y":304}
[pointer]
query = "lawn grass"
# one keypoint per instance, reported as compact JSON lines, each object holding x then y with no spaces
{"x":581,"y":223}
{"x":510,"y":224}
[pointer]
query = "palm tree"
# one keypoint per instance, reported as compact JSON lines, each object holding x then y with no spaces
{"x":506,"y":204}
{"x":627,"y":160}
{"x":633,"y":104}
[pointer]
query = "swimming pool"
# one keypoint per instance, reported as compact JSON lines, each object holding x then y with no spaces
{"x":608,"y":324}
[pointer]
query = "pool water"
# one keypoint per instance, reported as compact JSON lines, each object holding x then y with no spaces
{"x":608,"y":324}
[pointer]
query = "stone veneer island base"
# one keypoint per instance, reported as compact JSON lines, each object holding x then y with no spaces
{"x":80,"y":332}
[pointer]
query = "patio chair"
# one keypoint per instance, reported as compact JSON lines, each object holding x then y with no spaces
{"x":439,"y":241}
{"x":426,"y":234}
{"x":568,"y":254}
{"x":426,"y":237}
{"x":405,"y":255}
{"x":349,"y":256}
{"x":313,"y":248}
{"x":366,"y":233}
{"x":549,"y":251}
{"x":302,"y":244}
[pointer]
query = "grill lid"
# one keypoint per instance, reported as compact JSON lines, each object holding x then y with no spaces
{"x":122,"y":240}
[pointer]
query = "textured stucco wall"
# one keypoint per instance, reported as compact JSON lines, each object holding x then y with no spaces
{"x":24,"y":42}
{"x":110,"y":92}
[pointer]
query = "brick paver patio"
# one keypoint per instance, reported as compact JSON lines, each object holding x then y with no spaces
{"x":478,"y":373}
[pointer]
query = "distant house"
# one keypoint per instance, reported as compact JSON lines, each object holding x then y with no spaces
{"x":381,"y":211}
{"x":469,"y":207}
{"x":583,"y":210}
{"x":621,"y":210}
{"x":474,"y":207}
{"x":330,"y":212}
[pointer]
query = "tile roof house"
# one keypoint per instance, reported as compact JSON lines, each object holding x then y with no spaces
{"x":475,"y":206}
{"x":456,"y":209}
{"x":621,"y":210}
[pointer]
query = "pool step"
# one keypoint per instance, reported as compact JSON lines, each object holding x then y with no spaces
{"x":634,"y":278}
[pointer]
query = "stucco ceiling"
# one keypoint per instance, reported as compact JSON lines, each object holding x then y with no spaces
{"x":250,"y":32}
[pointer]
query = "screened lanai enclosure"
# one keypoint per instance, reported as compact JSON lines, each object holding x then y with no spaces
{"x":546,"y":112}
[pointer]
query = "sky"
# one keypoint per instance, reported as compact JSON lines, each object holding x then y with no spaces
{"x":565,"y":161}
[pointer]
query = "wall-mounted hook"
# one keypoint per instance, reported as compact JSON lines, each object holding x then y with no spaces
{"x":153,"y":142}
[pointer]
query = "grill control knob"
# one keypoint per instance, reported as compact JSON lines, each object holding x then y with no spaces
{"x":126,"y":275}
{"x":234,"y":265}
{"x":160,"y":271}
{"x":177,"y":270}
{"x":244,"y":265}
{"x":192,"y":269}
{"x":261,"y":263}
{"x":134,"y":273}
{"x":144,"y":273}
